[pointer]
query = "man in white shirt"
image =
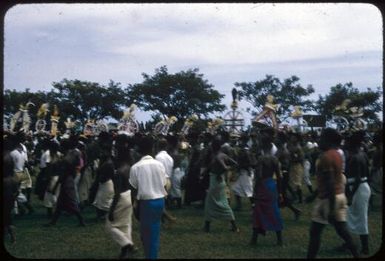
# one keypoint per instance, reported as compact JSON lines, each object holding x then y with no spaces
{"x":20,"y":159}
{"x":164,"y":158}
{"x":148,"y":179}
{"x":168,"y":163}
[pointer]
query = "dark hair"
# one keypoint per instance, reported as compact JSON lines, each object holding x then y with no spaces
{"x":73,"y":141}
{"x":282,"y":137}
{"x":162,"y":144}
{"x":355,"y":139}
{"x":53,"y":146}
{"x":216,"y":143}
{"x":331,"y":136}
{"x":145,"y":145}
{"x":123,"y":144}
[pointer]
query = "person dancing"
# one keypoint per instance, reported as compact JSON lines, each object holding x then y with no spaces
{"x":266,"y":214}
{"x":216,"y":203}
{"x":331,"y":203}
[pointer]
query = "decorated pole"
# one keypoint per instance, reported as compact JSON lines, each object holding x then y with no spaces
{"x":234,"y":120}
{"x":54,"y":120}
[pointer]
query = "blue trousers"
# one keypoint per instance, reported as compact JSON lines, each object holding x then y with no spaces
{"x":150,"y":220}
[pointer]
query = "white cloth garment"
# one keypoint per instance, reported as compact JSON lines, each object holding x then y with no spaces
{"x":176,"y":178}
{"x":120,"y":228}
{"x":306,"y":172}
{"x":51,"y":198}
{"x":44,"y":159}
{"x":167,"y":162}
{"x":85,"y":184}
{"x":148,"y":176}
{"x":104,"y":195}
{"x":243,"y":186}
{"x":20,"y":157}
{"x":357,"y":216}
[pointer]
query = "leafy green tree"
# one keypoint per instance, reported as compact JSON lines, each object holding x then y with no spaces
{"x":181,"y":94}
{"x":370,"y":101}
{"x":287,"y":93}
{"x":83,"y":100}
{"x":12,"y":99}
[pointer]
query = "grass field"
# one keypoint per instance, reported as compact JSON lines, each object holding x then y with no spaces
{"x":185,"y":239}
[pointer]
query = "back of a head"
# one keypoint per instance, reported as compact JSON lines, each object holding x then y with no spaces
{"x":53,"y":146}
{"x":73,"y":141}
{"x":162,"y":144}
{"x":145,"y":145}
{"x":355,"y":139}
{"x":216,"y":143}
{"x":330,"y":138}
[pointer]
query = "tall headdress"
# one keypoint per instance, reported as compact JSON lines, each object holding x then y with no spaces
{"x":41,"y":115}
{"x":101,"y":126}
{"x":213,"y":125}
{"x":54,"y":120}
{"x":22,"y":118}
{"x":297,"y":115}
{"x":89,"y":127}
{"x":268,"y":112}
{"x":69,"y":125}
{"x":128,"y":124}
{"x":189,"y":122}
{"x":347,"y":117}
{"x":162,"y":127}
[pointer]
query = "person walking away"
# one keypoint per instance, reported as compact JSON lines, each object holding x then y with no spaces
{"x":243,"y":186}
{"x":357,"y":172}
{"x":119,"y":221}
{"x":296,"y":171}
{"x":148,"y":179}
{"x":52,"y":172}
{"x":163,"y":157}
{"x":331,"y":203}
{"x":216,"y":203}
{"x":105,"y":191}
{"x":10,"y":192}
{"x":283,"y":156}
{"x":67,"y":200}
{"x":20,"y":158}
{"x":266,"y":213}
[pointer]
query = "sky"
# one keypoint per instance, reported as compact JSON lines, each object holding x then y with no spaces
{"x":323,"y":44}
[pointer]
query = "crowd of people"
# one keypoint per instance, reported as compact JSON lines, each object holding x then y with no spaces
{"x":146,"y":176}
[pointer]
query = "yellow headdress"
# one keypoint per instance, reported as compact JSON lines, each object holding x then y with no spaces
{"x":43,"y":110}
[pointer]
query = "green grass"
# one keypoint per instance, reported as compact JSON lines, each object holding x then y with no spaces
{"x":185,"y":239}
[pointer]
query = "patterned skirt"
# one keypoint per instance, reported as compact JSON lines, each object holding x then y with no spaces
{"x":266,"y":214}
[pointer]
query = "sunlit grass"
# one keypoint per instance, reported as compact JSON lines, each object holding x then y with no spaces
{"x":184,"y":239}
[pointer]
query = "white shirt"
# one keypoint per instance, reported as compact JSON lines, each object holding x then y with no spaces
{"x":148,"y":176}
{"x":274,"y":149}
{"x":341,"y":152}
{"x":167,"y":162}
{"x":44,"y":159}
{"x":19,"y":158}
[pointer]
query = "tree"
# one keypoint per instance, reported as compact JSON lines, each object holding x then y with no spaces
{"x":369,"y":101}
{"x":82,"y":100}
{"x":287,"y":93}
{"x":12,"y":99}
{"x":181,"y":94}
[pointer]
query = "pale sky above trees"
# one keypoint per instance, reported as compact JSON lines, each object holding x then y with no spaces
{"x":322,"y":44}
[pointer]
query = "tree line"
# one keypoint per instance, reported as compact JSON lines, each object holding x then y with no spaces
{"x":185,"y":93}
